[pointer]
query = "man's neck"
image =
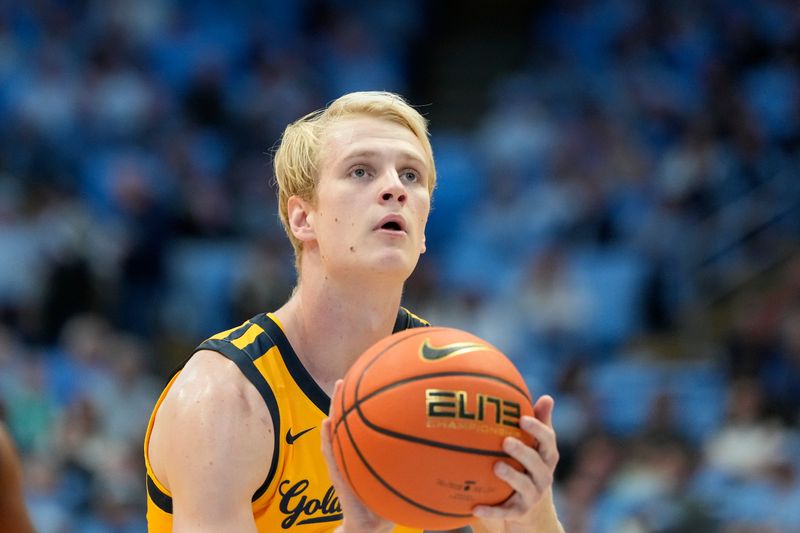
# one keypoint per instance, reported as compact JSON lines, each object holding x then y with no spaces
{"x":330,"y":323}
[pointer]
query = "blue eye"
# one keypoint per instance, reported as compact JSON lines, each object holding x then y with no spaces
{"x":410,"y":175}
{"x":359,"y":172}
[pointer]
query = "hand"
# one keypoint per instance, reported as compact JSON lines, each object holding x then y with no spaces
{"x":531,"y":504}
{"x":357,"y":517}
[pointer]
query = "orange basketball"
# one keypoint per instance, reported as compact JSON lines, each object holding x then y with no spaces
{"x":419,"y":423}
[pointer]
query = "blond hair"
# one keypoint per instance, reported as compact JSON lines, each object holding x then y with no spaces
{"x":297,"y":158}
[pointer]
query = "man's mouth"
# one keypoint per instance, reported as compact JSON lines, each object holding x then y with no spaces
{"x":394,"y":226}
{"x":392,"y":223}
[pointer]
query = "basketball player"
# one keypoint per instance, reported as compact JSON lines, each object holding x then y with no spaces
{"x":234,"y":441}
{"x":13,"y":516}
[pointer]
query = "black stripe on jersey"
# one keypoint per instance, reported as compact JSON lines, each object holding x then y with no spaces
{"x":238,"y":332}
{"x":406,"y":320}
{"x":299,"y":373}
{"x":244,"y":360}
{"x":232,"y":336}
{"x":161,"y":500}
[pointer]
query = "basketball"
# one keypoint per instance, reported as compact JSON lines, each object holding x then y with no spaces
{"x":419,"y":422}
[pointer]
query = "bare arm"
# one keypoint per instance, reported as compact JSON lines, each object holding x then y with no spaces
{"x":212,"y":444}
{"x":13,"y":515}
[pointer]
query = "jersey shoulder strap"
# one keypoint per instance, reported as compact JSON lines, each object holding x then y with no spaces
{"x":407,"y":320}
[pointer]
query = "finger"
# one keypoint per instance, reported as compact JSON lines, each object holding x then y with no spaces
{"x":520,"y":451}
{"x":484,"y":511}
{"x":545,"y":438}
{"x":337,"y":387}
{"x":539,"y":474}
{"x":543,"y":409}
{"x":521,"y":482}
{"x":325,"y":437}
{"x":511,"y":508}
{"x":327,"y":451}
{"x":327,"y":445}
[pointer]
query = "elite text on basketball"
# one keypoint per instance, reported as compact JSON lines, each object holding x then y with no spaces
{"x":458,"y":404}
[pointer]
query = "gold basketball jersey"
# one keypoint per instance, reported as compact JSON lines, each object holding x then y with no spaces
{"x":297,"y":493}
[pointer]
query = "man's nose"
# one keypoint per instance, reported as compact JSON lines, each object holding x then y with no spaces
{"x":393,"y":188}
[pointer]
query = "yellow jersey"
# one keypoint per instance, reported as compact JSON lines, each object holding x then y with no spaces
{"x":297,"y":493}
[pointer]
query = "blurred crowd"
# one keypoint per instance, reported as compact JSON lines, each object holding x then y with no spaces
{"x":634,"y":178}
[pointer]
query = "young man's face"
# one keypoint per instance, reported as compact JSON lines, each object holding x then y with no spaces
{"x":372,"y":199}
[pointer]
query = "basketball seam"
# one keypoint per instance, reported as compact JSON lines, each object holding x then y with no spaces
{"x":341,"y":453}
{"x":419,"y":440}
{"x":357,"y":407}
{"x":343,"y":416}
{"x":391,"y":488}
{"x":422,"y":331}
{"x":411,"y":333}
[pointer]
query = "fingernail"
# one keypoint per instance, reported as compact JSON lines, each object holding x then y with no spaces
{"x":480,"y":512}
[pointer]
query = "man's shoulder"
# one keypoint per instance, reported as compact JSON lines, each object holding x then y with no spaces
{"x":211,"y":411}
{"x":209,"y":376}
{"x":210,"y":388}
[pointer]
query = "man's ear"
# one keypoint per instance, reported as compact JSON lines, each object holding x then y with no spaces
{"x":301,"y":219}
{"x":423,"y":248}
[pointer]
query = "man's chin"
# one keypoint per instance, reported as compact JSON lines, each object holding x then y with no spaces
{"x":391,"y":266}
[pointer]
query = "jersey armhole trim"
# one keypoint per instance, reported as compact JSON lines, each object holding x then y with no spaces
{"x":299,"y":373}
{"x":247,"y":366}
{"x":161,"y":500}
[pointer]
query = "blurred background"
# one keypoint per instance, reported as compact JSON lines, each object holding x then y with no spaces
{"x":618,"y":210}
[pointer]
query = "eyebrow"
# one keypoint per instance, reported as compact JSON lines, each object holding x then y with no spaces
{"x":371,"y":154}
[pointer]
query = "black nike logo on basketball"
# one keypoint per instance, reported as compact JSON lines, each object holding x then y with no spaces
{"x":291,"y":438}
{"x":434,"y":353}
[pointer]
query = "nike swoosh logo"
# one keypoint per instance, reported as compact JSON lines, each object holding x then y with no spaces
{"x":429,"y":352}
{"x":291,"y":438}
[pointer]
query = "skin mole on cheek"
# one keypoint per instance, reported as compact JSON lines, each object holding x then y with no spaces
{"x":352,"y":248}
